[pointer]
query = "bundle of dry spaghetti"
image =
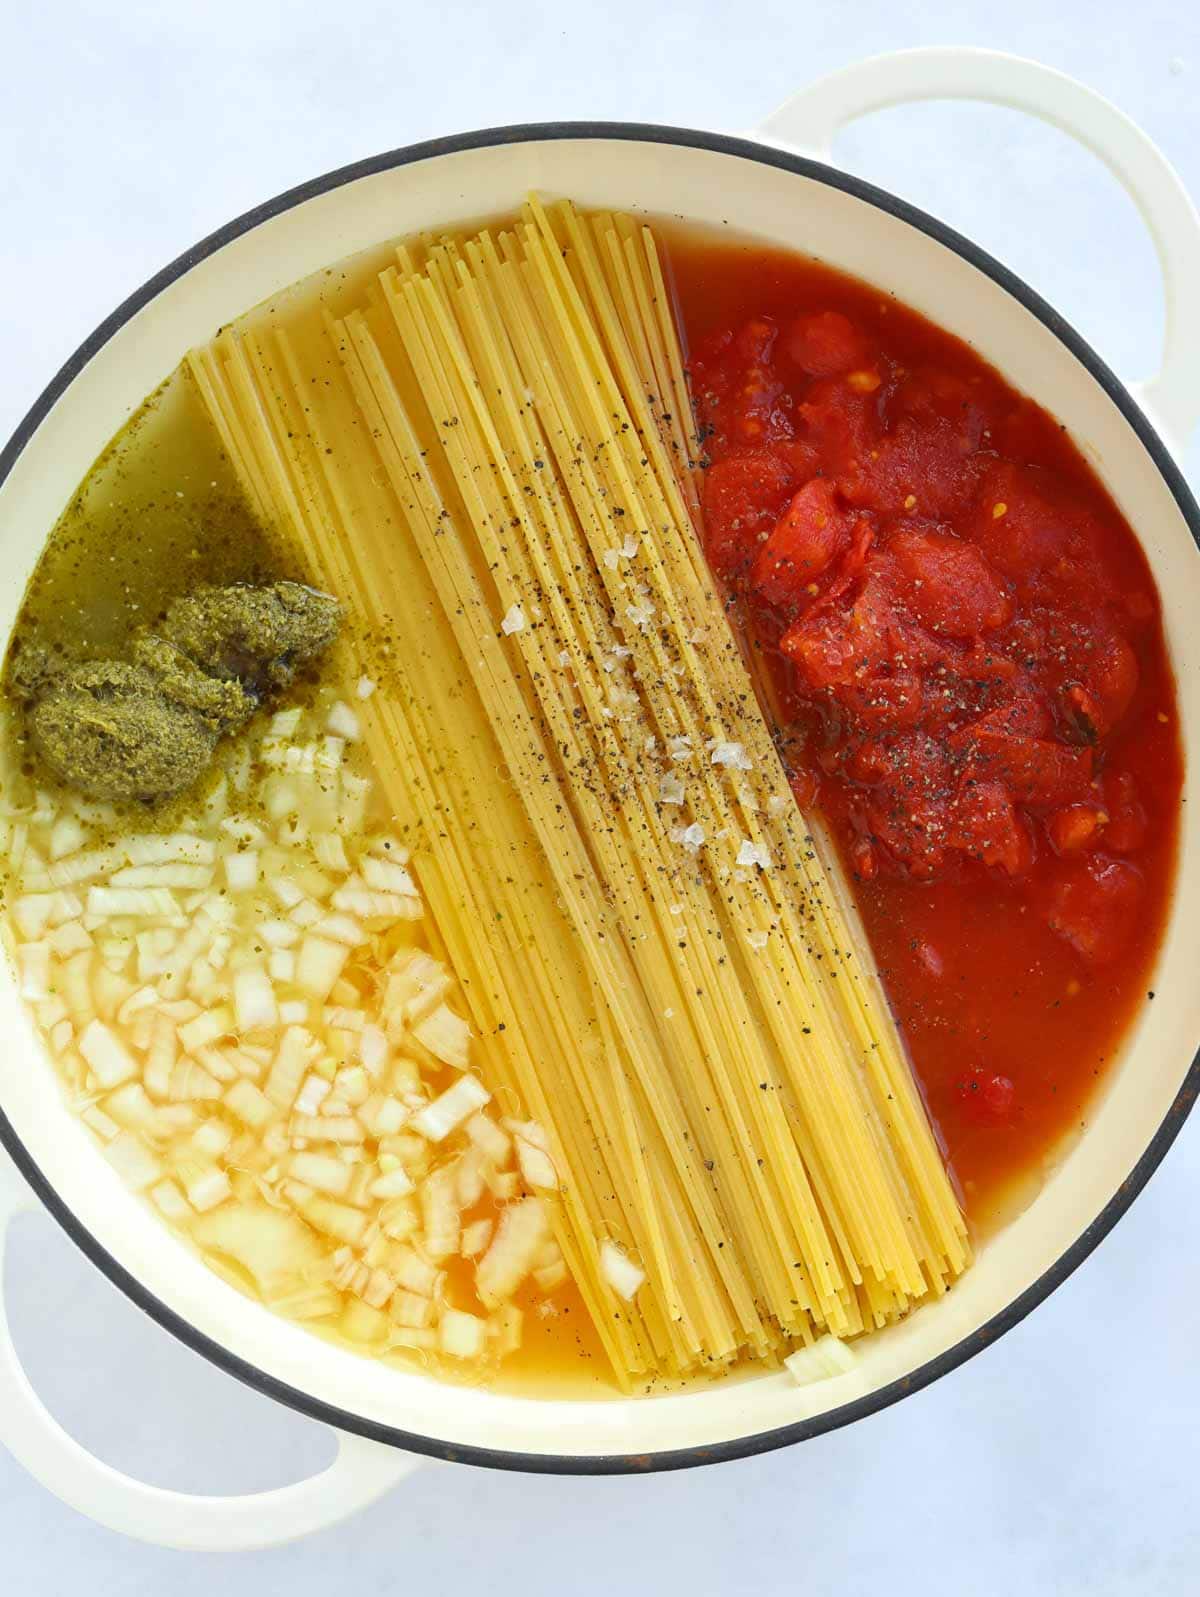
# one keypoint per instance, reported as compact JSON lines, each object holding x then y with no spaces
{"x":490,"y":463}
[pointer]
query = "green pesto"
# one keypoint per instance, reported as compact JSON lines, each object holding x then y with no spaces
{"x":154,"y":623}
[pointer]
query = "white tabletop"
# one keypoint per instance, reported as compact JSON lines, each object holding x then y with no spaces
{"x":1060,"y":1462}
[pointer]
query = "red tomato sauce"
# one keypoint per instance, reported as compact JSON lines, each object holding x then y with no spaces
{"x":963,"y":645}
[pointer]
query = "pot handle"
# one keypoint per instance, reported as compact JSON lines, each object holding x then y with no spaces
{"x":809,"y":121}
{"x":361,"y":1472}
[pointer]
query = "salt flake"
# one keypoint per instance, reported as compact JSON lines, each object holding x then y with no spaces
{"x":514,"y":621}
{"x":733,"y":754}
{"x":670,"y":789}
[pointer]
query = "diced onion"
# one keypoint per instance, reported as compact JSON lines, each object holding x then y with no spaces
{"x":826,"y":1358}
{"x":475,"y":1238}
{"x":254,"y":1000}
{"x":323,"y":1171}
{"x":446,"y":1035}
{"x":619,"y":1270}
{"x":319,"y":964}
{"x":537,"y":1167}
{"x":33,"y":961}
{"x":133,"y":1161}
{"x":106,"y":1055}
{"x":241,"y":871}
{"x":523,"y":1228}
{"x":343,"y":722}
{"x":460,"y":1334}
{"x":448,"y":1111}
{"x":387,"y":877}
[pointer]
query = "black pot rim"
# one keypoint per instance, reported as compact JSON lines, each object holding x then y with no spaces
{"x":984,"y":1335}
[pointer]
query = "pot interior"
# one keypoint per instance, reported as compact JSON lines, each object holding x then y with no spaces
{"x":722,"y":186}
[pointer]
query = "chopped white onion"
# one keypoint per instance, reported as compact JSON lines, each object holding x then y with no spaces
{"x":207,"y":1189}
{"x":66,"y":836}
{"x":460,"y":1334}
{"x":254,"y":1000}
{"x":395,"y":1184}
{"x":619,"y":1270}
{"x":177,"y":876}
{"x":446,"y":1035}
{"x":107,"y":1056}
{"x":319,"y":964}
{"x":523,"y":1228}
{"x":241,"y":871}
{"x":133,"y":1161}
{"x":823,"y":1360}
{"x":537,"y":1167}
{"x":341,"y":929}
{"x":343,"y":722}
{"x":448,"y":1111}
{"x":33,"y":962}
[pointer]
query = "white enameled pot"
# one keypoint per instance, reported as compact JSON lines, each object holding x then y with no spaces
{"x":778,"y":185}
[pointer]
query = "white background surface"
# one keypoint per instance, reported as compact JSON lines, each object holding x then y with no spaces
{"x":1061,"y":1462}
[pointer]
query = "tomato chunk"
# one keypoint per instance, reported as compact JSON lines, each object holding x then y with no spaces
{"x":1100,"y":700}
{"x":744,"y":495}
{"x":986,"y":826}
{"x":950,"y":586}
{"x":808,"y":537}
{"x":1093,"y":906}
{"x":1076,"y":827}
{"x":825,"y":344}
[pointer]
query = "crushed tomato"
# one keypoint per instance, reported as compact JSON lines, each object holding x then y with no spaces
{"x":966,"y":649}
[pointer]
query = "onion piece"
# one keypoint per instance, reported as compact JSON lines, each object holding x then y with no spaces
{"x":241,"y":871}
{"x":448,"y":1111}
{"x":523,"y":1228}
{"x":250,"y":1105}
{"x":254,"y":1000}
{"x":825,"y":1359}
{"x":297,"y":1050}
{"x":33,"y":963}
{"x":178,"y":876}
{"x":618,"y":1269}
{"x":343,"y":722}
{"x":439,"y":1210}
{"x":460,"y":1334}
{"x":395,"y":1184}
{"x":536,"y":1166}
{"x":106,"y":1055}
{"x":205,"y":1028}
{"x":341,"y":929}
{"x":386,"y":876}
{"x":446,"y":1035}
{"x":475,"y":1238}
{"x":487,"y":1136}
{"x":319,"y":964}
{"x":170,"y":1201}
{"x":133,"y":1161}
{"x":131,"y":1107}
{"x":322,"y":1171}
{"x":154,"y":849}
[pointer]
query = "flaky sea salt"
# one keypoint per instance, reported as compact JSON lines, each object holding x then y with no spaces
{"x":754,"y":854}
{"x":733,"y":754}
{"x":514,"y":620}
{"x":690,"y":836}
{"x":670,"y":789}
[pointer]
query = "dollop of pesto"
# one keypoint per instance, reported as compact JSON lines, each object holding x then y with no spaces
{"x":147,"y":728}
{"x":107,"y":728}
